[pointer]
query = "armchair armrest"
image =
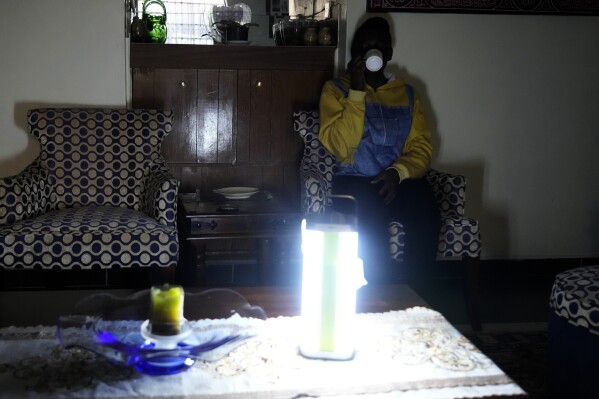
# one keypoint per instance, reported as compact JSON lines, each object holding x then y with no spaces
{"x":160,"y":199}
{"x":459,"y":236}
{"x":315,"y":190}
{"x":25,"y":195}
{"x":449,"y":190}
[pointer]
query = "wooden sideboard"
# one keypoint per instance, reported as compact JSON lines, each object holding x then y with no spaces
{"x":233,"y":110}
{"x":233,"y":106}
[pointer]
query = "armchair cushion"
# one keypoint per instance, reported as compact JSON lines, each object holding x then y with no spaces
{"x":459,"y":236}
{"x":88,"y":237}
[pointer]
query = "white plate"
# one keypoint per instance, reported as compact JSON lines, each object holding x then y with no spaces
{"x":237,"y":192}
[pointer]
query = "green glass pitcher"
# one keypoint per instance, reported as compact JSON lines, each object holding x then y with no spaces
{"x":154,"y":15}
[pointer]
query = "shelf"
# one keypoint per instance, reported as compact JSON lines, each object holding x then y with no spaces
{"x":178,"y":56}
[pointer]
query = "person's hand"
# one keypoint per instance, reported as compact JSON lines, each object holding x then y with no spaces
{"x":356,"y":68}
{"x":390,"y":180}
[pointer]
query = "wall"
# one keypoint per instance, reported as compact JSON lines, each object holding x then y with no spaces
{"x":56,"y":53}
{"x":512,"y":104}
{"x":511,"y":101}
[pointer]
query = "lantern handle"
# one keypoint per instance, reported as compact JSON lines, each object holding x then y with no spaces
{"x":354,"y":201}
{"x":348,"y":197}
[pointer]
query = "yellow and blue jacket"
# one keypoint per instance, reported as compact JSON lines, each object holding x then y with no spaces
{"x":372,"y":130}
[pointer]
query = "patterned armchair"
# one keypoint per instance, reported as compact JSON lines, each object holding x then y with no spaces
{"x":99,"y":195}
{"x":459,"y":237}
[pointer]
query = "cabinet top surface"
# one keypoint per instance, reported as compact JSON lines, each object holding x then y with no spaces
{"x":145,"y":55}
{"x":258,"y":204}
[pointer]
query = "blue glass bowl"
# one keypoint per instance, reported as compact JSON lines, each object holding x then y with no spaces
{"x":116,"y":328}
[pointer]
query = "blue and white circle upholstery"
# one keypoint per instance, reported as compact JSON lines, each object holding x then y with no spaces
{"x":99,"y":195}
{"x":317,"y":166}
{"x":88,"y":237}
{"x":575,"y":297}
{"x":459,"y":235}
{"x":573,"y":332}
{"x":25,"y":195}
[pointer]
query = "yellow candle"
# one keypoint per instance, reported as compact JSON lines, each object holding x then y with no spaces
{"x":167,"y":309}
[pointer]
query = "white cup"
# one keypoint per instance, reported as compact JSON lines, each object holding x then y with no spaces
{"x":374,"y":60}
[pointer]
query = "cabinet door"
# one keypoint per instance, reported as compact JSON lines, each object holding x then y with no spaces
{"x":204,"y":103}
{"x":217,"y":114}
{"x":254,"y":116}
{"x":176,"y":90}
{"x":292,"y":91}
{"x":266,"y":101}
{"x":265,"y":138}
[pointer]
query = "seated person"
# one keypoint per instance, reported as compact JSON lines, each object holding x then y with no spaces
{"x":373,"y":123}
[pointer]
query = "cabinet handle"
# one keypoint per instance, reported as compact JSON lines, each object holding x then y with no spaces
{"x":259,"y":84}
{"x":202,"y":226}
{"x":281,"y":223}
{"x":182,"y":83}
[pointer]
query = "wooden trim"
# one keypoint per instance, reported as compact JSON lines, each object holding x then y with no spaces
{"x":471,"y":282}
{"x":517,"y":7}
{"x":171,"y":56}
{"x":286,"y":300}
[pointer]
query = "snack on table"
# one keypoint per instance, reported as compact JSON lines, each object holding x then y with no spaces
{"x":166,"y":317}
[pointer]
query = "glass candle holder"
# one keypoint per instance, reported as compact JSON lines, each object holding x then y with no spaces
{"x":166,"y":316}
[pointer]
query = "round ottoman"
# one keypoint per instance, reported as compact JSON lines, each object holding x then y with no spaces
{"x":573,"y":350}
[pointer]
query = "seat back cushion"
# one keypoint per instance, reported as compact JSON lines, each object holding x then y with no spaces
{"x":99,"y":156}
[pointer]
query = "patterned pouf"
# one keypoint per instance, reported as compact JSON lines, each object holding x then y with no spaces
{"x":573,"y":351}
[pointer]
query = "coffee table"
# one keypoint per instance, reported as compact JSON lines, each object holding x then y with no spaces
{"x":392,"y":309}
{"x":286,"y":300}
{"x":29,"y":308}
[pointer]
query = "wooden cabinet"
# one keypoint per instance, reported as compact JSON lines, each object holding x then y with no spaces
{"x":233,"y":110}
{"x":269,"y":224}
{"x":233,"y":123}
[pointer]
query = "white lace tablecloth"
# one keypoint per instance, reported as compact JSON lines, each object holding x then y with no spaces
{"x":414,"y":353}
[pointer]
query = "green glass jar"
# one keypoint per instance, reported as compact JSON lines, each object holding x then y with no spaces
{"x":154,"y":15}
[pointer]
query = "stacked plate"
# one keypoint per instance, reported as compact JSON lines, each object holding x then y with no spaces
{"x":237,"y":192}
